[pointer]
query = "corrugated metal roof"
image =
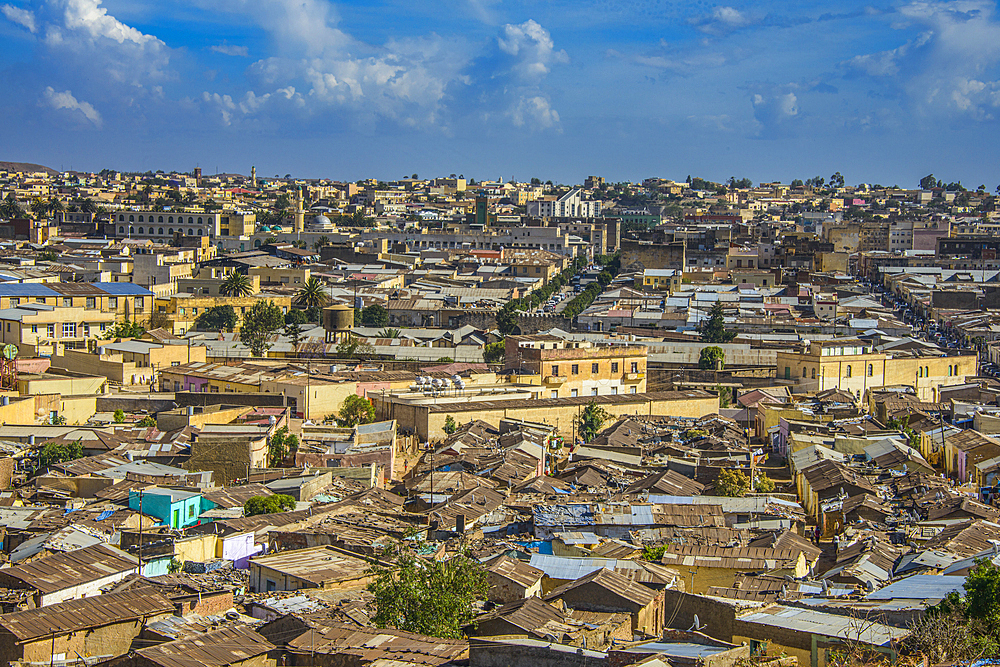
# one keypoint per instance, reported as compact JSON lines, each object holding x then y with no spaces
{"x":919,"y":587}
{"x":59,"y":571}
{"x":213,"y":649}
{"x":85,"y":613}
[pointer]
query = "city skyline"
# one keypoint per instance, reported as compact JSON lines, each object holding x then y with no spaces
{"x":883,"y":93}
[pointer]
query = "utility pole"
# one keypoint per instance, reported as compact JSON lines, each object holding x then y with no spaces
{"x":140,"y":532}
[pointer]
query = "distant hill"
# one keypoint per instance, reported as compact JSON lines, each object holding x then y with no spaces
{"x":26,"y":166}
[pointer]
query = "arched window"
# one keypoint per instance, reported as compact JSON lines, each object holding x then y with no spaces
{"x":920,"y":371}
{"x":131,"y":218}
{"x":161,"y":219}
{"x":950,"y":368}
{"x":814,"y":374}
{"x":190,"y":220}
{"x":170,"y":231}
{"x":161,"y":231}
{"x":131,"y":229}
{"x":804,"y":371}
{"x":256,"y":243}
{"x":201,"y":232}
{"x":927,"y":371}
{"x":190,"y":232}
{"x":847,"y":371}
{"x":199,"y":221}
{"x":121,"y":218}
{"x":871,"y":370}
{"x":121,"y":230}
{"x":170,"y":219}
{"x":140,"y":218}
{"x":140,"y":229}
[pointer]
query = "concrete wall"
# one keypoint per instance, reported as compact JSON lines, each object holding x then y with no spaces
{"x":151,"y":404}
{"x":737,"y":354}
{"x":226,"y":458}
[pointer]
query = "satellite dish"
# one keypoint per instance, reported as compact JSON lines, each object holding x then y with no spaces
{"x":696,"y":626}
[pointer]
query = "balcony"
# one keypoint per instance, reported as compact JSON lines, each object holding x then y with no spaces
{"x":555,"y":379}
{"x":634,"y":377}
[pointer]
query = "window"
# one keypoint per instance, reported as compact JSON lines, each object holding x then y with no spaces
{"x":67,"y":302}
{"x":121,"y":230}
{"x":50,"y":331}
{"x":113,"y":302}
{"x":633,"y":390}
{"x":574,"y":392}
{"x":140,"y":229}
{"x":847,"y":371}
{"x":69,"y":329}
{"x":190,"y":511}
{"x":34,"y":328}
{"x":594,"y":368}
{"x":593,"y":392}
{"x":175,"y":363}
{"x":804,"y":371}
{"x":949,"y":366}
{"x":614,"y":366}
{"x":555,"y":370}
{"x":575,"y":369}
{"x":91,"y":302}
{"x":104,"y":326}
{"x":871,"y":370}
{"x":194,"y":311}
{"x":161,"y":228}
{"x":814,"y":374}
{"x":614,"y":390}
{"x":554,"y":394}
{"x":635,"y":367}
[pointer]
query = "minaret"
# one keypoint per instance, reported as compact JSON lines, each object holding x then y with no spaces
{"x":300,"y":214}
{"x":253,"y":176}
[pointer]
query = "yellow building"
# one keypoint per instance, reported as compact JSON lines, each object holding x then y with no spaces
{"x":570,"y":368}
{"x":129,"y":362}
{"x":280,"y":276}
{"x":851,"y":364}
{"x":667,"y":280}
{"x":181,"y":310}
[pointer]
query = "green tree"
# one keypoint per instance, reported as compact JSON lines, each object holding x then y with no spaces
{"x":353,"y":348}
{"x":294,"y":334}
{"x":296,"y":317}
{"x":389,"y":333}
{"x":119,"y":416}
{"x":53,"y":453}
{"x":356,"y":410}
{"x":433,"y":598}
{"x":147,"y":421}
{"x":590,"y":420}
{"x":274,"y":504}
{"x":449,"y":425}
{"x":494,"y":353}
{"x":217,"y":318}
{"x":506,"y":322}
{"x":48,"y":256}
{"x":57,"y":420}
{"x":11,"y":208}
{"x":280,"y":445}
{"x":709,"y":356}
{"x":732,"y":483}
{"x":714,"y":329}
{"x":928,"y":182}
{"x":236,"y":284}
{"x":124,"y":329}
{"x":764,"y":484}
{"x":263,"y":318}
{"x":374,"y":315}
{"x":312,"y":294}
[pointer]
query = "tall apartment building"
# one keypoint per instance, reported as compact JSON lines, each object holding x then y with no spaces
{"x":161,"y":225}
{"x":570,"y":205}
{"x":569,"y":368}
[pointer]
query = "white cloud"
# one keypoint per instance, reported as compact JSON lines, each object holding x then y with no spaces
{"x":88,"y":16}
{"x":886,"y":63}
{"x":66,"y":100}
{"x":22,"y":17}
{"x":773,"y":109}
{"x":532,"y":48}
{"x":722,"y":20}
{"x":534,"y":112}
{"x":230,"y":50}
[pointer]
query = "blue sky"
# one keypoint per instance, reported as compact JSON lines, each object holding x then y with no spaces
{"x":883,"y":92}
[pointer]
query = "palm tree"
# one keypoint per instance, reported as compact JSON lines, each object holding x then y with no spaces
{"x":321,"y":241}
{"x":312,"y":294}
{"x":236,"y":284}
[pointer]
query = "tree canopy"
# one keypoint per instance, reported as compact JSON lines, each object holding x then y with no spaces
{"x":713,"y":330}
{"x":732,"y":484}
{"x":590,"y":420}
{"x":374,"y":316}
{"x":54,"y":452}
{"x":259,"y":322}
{"x":709,"y":356}
{"x":433,"y":598}
{"x":356,"y":410}
{"x":279,"y":446}
{"x":236,"y":284}
{"x":124,"y":329}
{"x":217,"y":318}
{"x":275,"y":504}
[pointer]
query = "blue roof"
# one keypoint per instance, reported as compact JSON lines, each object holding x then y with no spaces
{"x":920,"y":587}
{"x":123,"y":289}
{"x":26,"y":289}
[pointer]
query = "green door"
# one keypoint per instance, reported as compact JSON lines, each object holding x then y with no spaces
{"x":177,"y":518}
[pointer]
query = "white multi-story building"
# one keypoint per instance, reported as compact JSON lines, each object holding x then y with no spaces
{"x":570,"y":205}
{"x":901,"y":236}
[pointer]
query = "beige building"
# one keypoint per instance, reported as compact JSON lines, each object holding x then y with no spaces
{"x":181,"y":310}
{"x":569,"y":368}
{"x":129,"y":362}
{"x":851,"y":364}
